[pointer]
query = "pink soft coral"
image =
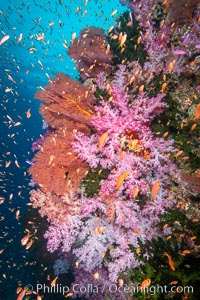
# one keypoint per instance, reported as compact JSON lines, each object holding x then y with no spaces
{"x":129,"y":148}
{"x":99,"y":230}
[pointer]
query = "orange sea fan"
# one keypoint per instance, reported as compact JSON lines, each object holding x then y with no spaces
{"x":67,"y":106}
{"x":91,"y":53}
{"x":182,"y":11}
{"x":65,"y":102}
{"x":56,"y":168}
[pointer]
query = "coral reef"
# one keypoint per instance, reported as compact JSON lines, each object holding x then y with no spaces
{"x":91,"y":53}
{"x":113,"y":170}
{"x":138,"y":188}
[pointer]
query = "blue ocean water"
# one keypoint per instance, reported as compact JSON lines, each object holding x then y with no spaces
{"x":26,"y":62}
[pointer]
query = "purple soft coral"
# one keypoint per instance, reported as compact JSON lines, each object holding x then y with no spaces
{"x":136,"y":160}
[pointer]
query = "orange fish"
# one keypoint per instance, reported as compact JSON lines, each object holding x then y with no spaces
{"x":102,"y":254}
{"x":77,"y":9}
{"x":17,"y":214}
{"x":185,"y":158}
{"x":184,"y":252}
{"x":68,"y":295}
{"x":146,"y":283}
{"x":7,"y":164}
{"x":139,"y":40}
{"x":121,"y":154}
{"x":178,"y":153}
{"x":123,"y":40}
{"x":141,"y":88}
{"x":110,"y":29}
{"x":4,"y":39}
{"x":165,"y":134}
{"x":29,"y":244}
{"x":8,"y":90}
{"x":17,"y":123}
{"x":2,"y":199}
{"x":164,"y":85}
{"x":131,"y":79}
{"x":155,"y":189}
{"x":113,"y":12}
{"x":193,"y":127}
{"x":197,"y":112}
{"x":171,"y":66}
{"x":162,"y":23}
{"x":165,"y":3}
{"x":120,"y":282}
{"x":135,"y":191}
{"x":165,"y":226}
{"x":17,"y":164}
{"x":31,"y":50}
{"x":28,"y":113}
{"x":99,"y":172}
{"x":53,"y":282}
{"x":20,"y":38}
{"x":21,"y":295}
{"x":76,"y":264}
{"x":40,"y":37}
{"x":102,"y":140}
{"x":98,"y":230}
{"x":170,"y":261}
{"x":11,"y":79}
{"x":25,"y":239}
{"x":136,"y":230}
{"x":120,"y":179}
{"x":138,"y":250}
{"x":107,"y":49}
{"x":96,"y":275}
{"x":173,"y":282}
{"x":129,"y":24}
{"x":73,"y":37}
